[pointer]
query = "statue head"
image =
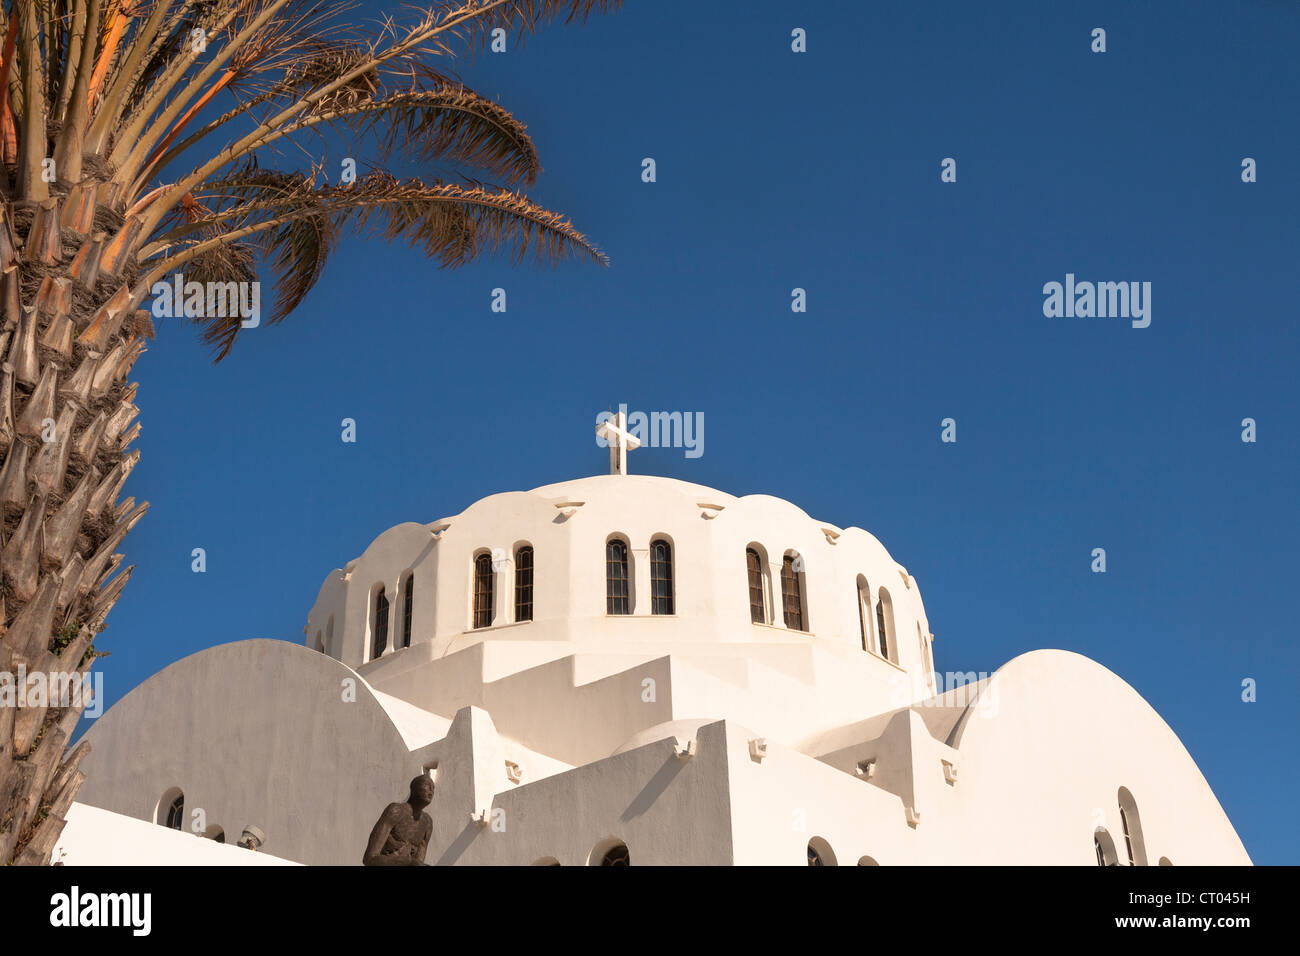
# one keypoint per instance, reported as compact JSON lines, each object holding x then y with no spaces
{"x":252,"y":838}
{"x":421,"y":791}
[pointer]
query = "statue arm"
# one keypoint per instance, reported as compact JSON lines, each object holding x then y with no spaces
{"x":375,"y":855}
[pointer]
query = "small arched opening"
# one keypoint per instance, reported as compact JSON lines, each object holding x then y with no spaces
{"x":760,"y":588}
{"x":170,"y":811}
{"x":406,"y":594}
{"x":611,"y":852}
{"x":484,"y":585}
{"x":864,"y":613}
{"x":820,"y":853}
{"x":662,"y":595}
{"x":524,"y":582}
{"x":1134,"y":845}
{"x":378,"y":623}
{"x":1104,"y":847}
{"x":794,"y":592}
{"x":887,"y":644}
{"x":618,"y":580}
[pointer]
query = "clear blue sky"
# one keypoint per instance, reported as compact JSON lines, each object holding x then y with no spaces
{"x":821,"y":171}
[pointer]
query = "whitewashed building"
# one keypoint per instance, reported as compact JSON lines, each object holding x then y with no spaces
{"x":631,"y":669}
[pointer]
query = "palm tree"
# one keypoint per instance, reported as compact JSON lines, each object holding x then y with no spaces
{"x":118,"y":174}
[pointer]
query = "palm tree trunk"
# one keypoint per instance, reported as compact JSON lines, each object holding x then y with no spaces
{"x":69,"y":334}
{"x":71,"y":281}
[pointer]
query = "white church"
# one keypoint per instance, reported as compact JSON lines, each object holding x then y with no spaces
{"x":630,"y":670}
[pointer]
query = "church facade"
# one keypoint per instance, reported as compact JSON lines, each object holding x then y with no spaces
{"x":633,"y":670}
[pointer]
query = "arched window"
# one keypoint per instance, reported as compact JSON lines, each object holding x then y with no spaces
{"x":215,"y":833}
{"x":757,"y":599}
{"x":611,"y":852}
{"x":1132,"y":825}
{"x":661,"y":577}
{"x":381,"y":624}
{"x":171,"y":809}
{"x":820,"y":853}
{"x":864,"y":612}
{"x":1104,"y":847}
{"x":927,"y":666}
{"x":885,"y":627}
{"x":524,"y":583}
{"x":792,"y":594}
{"x":483,"y":590}
{"x":616,"y":581}
{"x":617,"y":856}
{"x":408,"y":603}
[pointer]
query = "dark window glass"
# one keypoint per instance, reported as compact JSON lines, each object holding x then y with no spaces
{"x":381,"y":624}
{"x":1128,"y":837}
{"x":408,"y":602}
{"x":661,"y":578}
{"x":754,"y":568}
{"x":524,"y":584}
{"x":791,"y":597}
{"x":864,"y":610}
{"x":483,"y":590}
{"x":814,"y":858}
{"x":1101,"y":855}
{"x":617,"y":856}
{"x":616,"y":582}
{"x":882,"y":633}
{"x":176,"y":813}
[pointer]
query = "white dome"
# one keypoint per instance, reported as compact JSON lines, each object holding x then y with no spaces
{"x":834,"y":586}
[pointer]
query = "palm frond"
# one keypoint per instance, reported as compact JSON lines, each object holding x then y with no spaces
{"x":455,"y":124}
{"x":409,"y":209}
{"x":519,"y":18}
{"x":296,"y":73}
{"x":296,"y":225}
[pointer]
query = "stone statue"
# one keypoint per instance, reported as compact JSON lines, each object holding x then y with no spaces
{"x":401,"y":835}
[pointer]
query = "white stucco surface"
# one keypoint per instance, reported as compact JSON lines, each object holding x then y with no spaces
{"x":697,"y":736}
{"x":97,"y":837}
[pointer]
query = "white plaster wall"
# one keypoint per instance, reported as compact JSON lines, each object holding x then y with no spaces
{"x":254,"y":732}
{"x":1040,"y":760}
{"x":1044,"y":753}
{"x":580,"y":701}
{"x":665,"y":809}
{"x":96,"y":837}
{"x":1039,"y":757}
